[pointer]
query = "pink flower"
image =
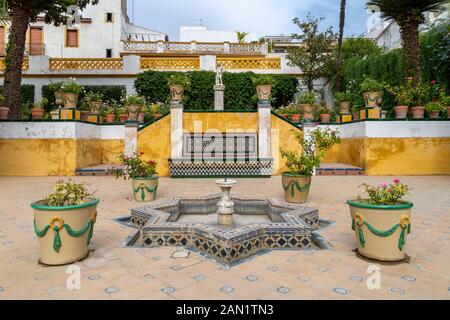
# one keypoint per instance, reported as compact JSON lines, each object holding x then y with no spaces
{"x":397,"y":181}
{"x":433,"y":82}
{"x":384,"y":185}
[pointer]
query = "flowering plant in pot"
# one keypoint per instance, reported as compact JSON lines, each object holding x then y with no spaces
{"x":324,"y":113}
{"x":434,"y":108}
{"x":294,"y":112}
{"x":307,"y":102}
{"x":372,"y":92}
{"x":134,"y":104}
{"x":109,"y":112}
{"x":56,"y":88}
{"x":37,"y":113}
{"x":122,"y":114}
{"x":94,"y":100}
{"x":344,"y":100}
{"x":178,"y":83}
{"x":420,"y":94}
{"x":283,"y":111}
{"x":381,"y":221}
{"x":71,"y":90}
{"x":64,"y":223}
{"x":264,"y":84}
{"x":3,"y":110}
{"x":297,"y":182}
{"x":85,"y":111}
{"x":142,"y":174}
{"x":403,"y":97}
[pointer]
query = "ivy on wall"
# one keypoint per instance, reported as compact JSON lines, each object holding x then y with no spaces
{"x":240,"y":93}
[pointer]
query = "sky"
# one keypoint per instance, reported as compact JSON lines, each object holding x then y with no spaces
{"x":263,"y":17}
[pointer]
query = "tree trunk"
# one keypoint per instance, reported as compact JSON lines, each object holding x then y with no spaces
{"x":340,"y":40}
{"x":411,"y":51}
{"x":14,"y":58}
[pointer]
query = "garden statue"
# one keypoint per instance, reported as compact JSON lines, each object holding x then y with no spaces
{"x":219,"y":74}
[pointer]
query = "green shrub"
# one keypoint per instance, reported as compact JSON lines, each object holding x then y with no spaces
{"x":371,"y":85}
{"x":434,"y":107}
{"x":27,"y":93}
{"x":180,"y":79}
{"x":263,"y":79}
{"x":343,"y":97}
{"x":307,"y":98}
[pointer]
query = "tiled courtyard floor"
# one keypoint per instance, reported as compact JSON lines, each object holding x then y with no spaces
{"x":114,"y":272}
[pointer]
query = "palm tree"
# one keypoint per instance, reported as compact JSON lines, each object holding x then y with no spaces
{"x":340,"y":39}
{"x":241,"y":36}
{"x":408,"y":14}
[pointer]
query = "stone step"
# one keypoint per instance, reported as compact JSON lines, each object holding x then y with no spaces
{"x":339,"y":169}
{"x":98,"y":170}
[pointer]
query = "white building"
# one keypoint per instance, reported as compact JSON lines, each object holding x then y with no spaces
{"x":98,"y":35}
{"x":202,"y":34}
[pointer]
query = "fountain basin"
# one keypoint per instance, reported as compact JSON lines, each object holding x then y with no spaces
{"x":260,"y":224}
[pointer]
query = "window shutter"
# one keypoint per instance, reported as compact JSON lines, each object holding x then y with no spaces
{"x":36,"y":41}
{"x":72,"y":38}
{"x":2,"y":41}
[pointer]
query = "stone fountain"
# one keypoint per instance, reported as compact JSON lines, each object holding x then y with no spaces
{"x":225,"y":207}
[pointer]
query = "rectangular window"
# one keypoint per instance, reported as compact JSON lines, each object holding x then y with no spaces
{"x":109,"y":17}
{"x":72,"y":38}
{"x":109,"y":53}
{"x":36,"y":41}
{"x":2,"y":41}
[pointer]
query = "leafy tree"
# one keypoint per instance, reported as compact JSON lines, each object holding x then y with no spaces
{"x":22,"y":13}
{"x":315,"y":51}
{"x":408,"y":14}
{"x":241,"y":36}
{"x":340,"y":39}
{"x":359,"y":48}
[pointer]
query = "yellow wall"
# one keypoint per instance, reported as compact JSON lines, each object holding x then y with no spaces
{"x":220,"y":122}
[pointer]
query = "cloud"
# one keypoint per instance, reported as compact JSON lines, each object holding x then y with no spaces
{"x":263,"y":17}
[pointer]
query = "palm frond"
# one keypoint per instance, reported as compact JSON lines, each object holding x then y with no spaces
{"x":393,"y":9}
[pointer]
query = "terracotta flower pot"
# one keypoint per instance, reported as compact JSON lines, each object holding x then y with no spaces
{"x":4,"y":113}
{"x":110,"y":118}
{"x":59,"y":98}
{"x":70,"y":100}
{"x":308,"y":111}
{"x":133,"y":112}
{"x":325,"y":118}
{"x":344,"y":107}
{"x":84,"y":115}
{"x":157,"y":115}
{"x":123,"y":117}
{"x":37,"y":113}
{"x":373,"y":99}
{"x":95,"y":106}
{"x":401,"y":112}
{"x":296,"y":188}
{"x":64,"y":233}
{"x":418,"y":112}
{"x":264,"y":91}
{"x":295,"y":117}
{"x":434,"y":115}
{"x":381,"y":230}
{"x":284,"y":115}
{"x":141,"y":117}
{"x":144,"y":189}
{"x":177,"y":92}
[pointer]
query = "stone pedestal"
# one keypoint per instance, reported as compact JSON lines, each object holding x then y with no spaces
{"x":225,"y":207}
{"x":219,"y":91}
{"x":176,"y":130}
{"x":131,"y":140}
{"x":264,"y":128}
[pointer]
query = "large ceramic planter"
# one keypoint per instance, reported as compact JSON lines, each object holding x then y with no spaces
{"x":381,"y":230}
{"x":144,"y":189}
{"x":37,"y":113}
{"x":59,"y":98}
{"x":70,"y":100}
{"x":434,"y":115}
{"x":4,"y":113}
{"x":418,"y":112}
{"x":308,"y":111}
{"x":344,"y":107}
{"x":325,"y":118}
{"x":64,"y":233}
{"x":296,"y":188}
{"x":401,"y":112}
{"x":133,"y":112}
{"x":177,"y":92}
{"x":263,"y":92}
{"x":96,"y":106}
{"x":373,"y":99}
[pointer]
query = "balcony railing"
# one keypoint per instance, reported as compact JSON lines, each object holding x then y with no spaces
{"x":156,"y":63}
{"x":195,"y":47}
{"x":25,"y":65}
{"x":249,"y":63}
{"x":86,"y":64}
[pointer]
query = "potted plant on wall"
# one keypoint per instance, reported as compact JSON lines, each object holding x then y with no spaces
{"x":434,"y":108}
{"x":71,"y":90}
{"x":3,"y":110}
{"x":85,"y":111}
{"x":297,"y":182}
{"x":307,"y":102}
{"x":142,"y":174}
{"x":283,"y":112}
{"x":122,"y":114}
{"x":381,"y":221}
{"x":294,"y":112}
{"x":56,"y":88}
{"x":178,"y":83}
{"x":420,"y":94}
{"x":403,"y":98}
{"x":264,"y":84}
{"x":344,"y":100}
{"x":37,"y":113}
{"x":324,"y":113}
{"x":372,"y":92}
{"x":109,"y":112}
{"x":134,"y":104}
{"x":94,"y":100}
{"x":64,"y":223}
